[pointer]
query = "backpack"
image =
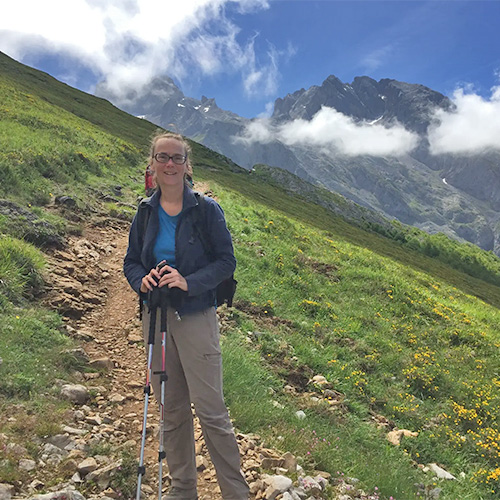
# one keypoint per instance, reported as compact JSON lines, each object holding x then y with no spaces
{"x":226,"y":289}
{"x":149,"y":185}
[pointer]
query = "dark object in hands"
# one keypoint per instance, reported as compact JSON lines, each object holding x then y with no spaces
{"x":159,"y":297}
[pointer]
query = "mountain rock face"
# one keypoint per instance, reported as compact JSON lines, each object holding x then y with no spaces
{"x":456,"y":195}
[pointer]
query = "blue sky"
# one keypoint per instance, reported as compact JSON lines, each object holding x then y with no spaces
{"x":247,"y":53}
{"x":440,"y":44}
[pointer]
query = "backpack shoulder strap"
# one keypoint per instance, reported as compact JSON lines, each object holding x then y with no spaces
{"x":143,"y":214}
{"x":199,"y":217}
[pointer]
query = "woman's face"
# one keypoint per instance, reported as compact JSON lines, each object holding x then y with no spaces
{"x":169,"y":173}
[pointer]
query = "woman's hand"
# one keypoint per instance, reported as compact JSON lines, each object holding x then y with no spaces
{"x":172,"y":278}
{"x":163,"y":275}
{"x":150,"y":280}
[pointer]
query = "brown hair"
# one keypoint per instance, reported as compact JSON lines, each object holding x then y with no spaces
{"x":177,"y":137}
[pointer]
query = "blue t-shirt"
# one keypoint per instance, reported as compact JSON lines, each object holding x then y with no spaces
{"x":164,"y":248}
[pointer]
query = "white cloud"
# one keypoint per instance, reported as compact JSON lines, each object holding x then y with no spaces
{"x":334,"y":131}
{"x":260,"y":131}
{"x":472,"y":127}
{"x":128,"y":42}
{"x":261,"y":79}
{"x":268,"y":110}
{"x":376,"y":58}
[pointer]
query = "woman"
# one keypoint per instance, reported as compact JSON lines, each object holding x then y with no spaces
{"x":193,"y":356}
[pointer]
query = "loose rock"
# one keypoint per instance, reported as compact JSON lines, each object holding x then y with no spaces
{"x":440,"y":472}
{"x":75,"y":393}
{"x":60,"y":495}
{"x":6,"y":491}
{"x":88,"y":465}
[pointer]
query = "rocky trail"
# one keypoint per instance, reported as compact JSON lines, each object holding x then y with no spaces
{"x":87,"y":286}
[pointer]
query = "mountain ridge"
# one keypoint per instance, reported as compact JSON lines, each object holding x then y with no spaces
{"x":456,"y":195}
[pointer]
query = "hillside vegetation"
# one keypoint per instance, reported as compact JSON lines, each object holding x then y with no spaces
{"x":401,"y":339}
{"x":463,"y":256}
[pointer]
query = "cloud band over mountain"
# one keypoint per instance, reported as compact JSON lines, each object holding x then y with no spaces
{"x":472,"y":127}
{"x":330,"y":129}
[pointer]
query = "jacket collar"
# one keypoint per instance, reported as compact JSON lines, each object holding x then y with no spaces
{"x":188,"y":199}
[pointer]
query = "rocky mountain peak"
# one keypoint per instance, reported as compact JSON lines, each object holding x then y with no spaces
{"x":332,"y":93}
{"x":363,"y":80}
{"x":145,"y":101}
{"x":369,"y":92}
{"x":365,"y":99}
{"x":411,"y":104}
{"x":165,"y":84}
{"x":282,"y":106}
{"x":209,"y":102}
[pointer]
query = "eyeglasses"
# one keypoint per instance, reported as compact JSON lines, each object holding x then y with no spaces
{"x":164,"y":158}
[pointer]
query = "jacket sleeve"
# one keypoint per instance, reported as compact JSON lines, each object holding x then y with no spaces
{"x":223,"y":263}
{"x":132,"y":264}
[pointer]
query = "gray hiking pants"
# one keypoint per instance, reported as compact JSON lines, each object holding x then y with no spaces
{"x":194,"y":370}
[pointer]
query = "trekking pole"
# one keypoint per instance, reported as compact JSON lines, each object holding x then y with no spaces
{"x":141,"y":470}
{"x":163,"y":379}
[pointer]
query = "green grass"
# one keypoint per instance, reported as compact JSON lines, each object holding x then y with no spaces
{"x":464,"y":257}
{"x":399,"y":331}
{"x":30,"y":340}
{"x":89,"y":109}
{"x":33,"y":356}
{"x":20,"y":266}
{"x":395,"y":341}
{"x":50,"y":151}
{"x":60,"y":141}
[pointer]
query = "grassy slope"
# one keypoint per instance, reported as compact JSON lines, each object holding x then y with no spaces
{"x":396,"y":333}
{"x":399,"y":334}
{"x":463,"y":256}
{"x":57,"y":140}
{"x":89,"y":108}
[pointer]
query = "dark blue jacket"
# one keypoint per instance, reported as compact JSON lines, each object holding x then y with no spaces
{"x":192,"y":261}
